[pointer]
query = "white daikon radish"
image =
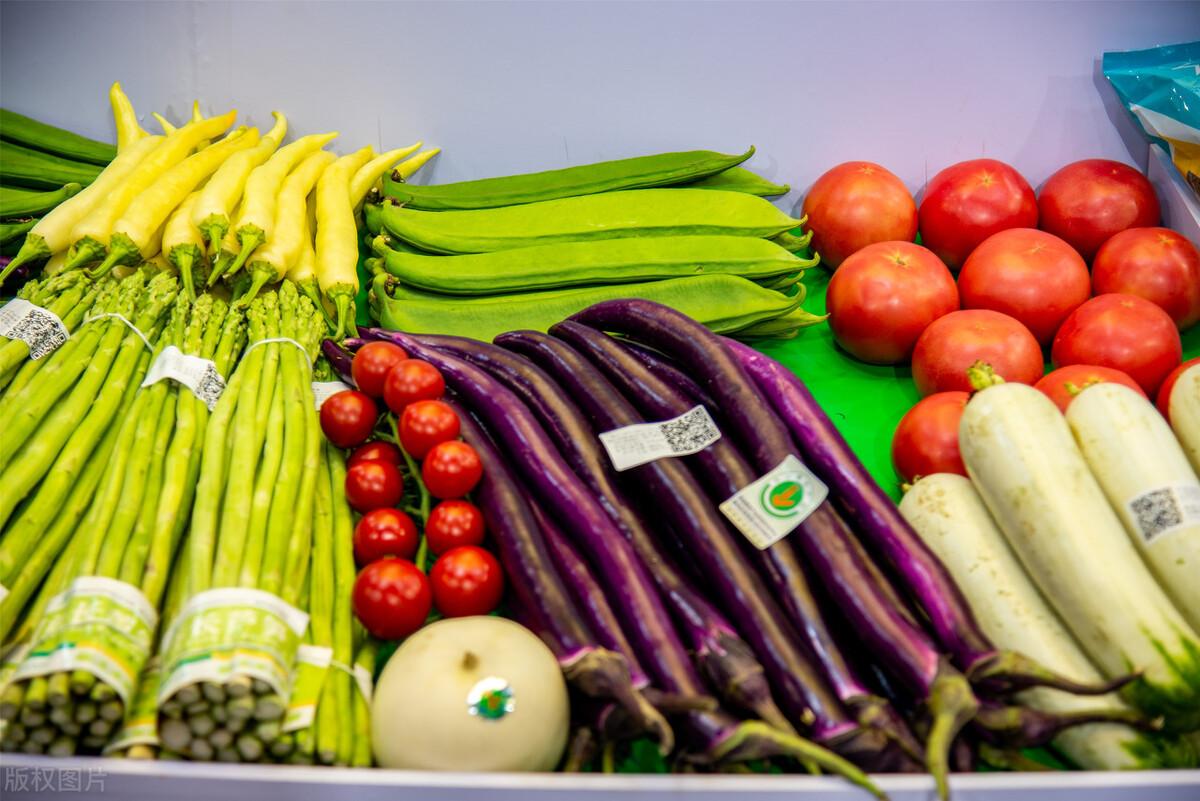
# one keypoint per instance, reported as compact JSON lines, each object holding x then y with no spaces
{"x":1021,"y":456}
{"x":470,"y":694}
{"x":948,"y":514}
{"x":1143,"y":471}
{"x":1184,"y":409}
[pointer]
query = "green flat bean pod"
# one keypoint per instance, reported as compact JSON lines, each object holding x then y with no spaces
{"x":642,"y":172}
{"x":724,"y":303}
{"x":612,"y":215}
{"x":609,"y":261}
{"x":739,"y":179}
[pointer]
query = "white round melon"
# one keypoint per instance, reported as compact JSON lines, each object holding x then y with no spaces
{"x":471,"y":694}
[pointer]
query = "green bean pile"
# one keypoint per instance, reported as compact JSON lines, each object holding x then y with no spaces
{"x":690,"y":230}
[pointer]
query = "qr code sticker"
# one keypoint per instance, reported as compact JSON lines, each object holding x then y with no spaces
{"x":209,"y":387}
{"x":39,"y":329}
{"x":690,"y":432}
{"x":1156,"y":512}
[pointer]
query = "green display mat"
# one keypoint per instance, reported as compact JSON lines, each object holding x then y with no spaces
{"x":866,"y":401}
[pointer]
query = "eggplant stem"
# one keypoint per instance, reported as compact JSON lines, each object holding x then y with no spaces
{"x":756,"y":740}
{"x":675,"y":703}
{"x":1025,"y":727}
{"x":1019,"y":672}
{"x":951,"y":706}
{"x":608,"y":758}
{"x":1007,"y":759}
{"x":601,"y":673}
{"x":580,"y":750}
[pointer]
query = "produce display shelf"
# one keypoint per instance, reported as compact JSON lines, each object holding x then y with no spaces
{"x":47,"y":778}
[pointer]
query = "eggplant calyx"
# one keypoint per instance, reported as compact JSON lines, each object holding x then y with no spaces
{"x":733,"y":669}
{"x":951,"y":706}
{"x":876,"y":714}
{"x":756,"y":740}
{"x":601,"y":673}
{"x":1024,"y":727}
{"x":1014,"y":671}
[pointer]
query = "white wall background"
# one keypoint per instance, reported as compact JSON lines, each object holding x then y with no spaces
{"x":506,"y":86}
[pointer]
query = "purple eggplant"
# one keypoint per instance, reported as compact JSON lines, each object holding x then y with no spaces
{"x":878,"y":520}
{"x":595,"y":671}
{"x":727,"y":472}
{"x":666,"y":371}
{"x":720,"y":652}
{"x":338,"y":359}
{"x":674,"y":492}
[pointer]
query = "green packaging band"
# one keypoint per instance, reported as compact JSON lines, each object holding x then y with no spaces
{"x":99,"y":625}
{"x":312,"y":664}
{"x":229,"y":632}
{"x":140,"y":726}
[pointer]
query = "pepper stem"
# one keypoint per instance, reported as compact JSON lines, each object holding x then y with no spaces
{"x":84,"y":252}
{"x":250,"y":238}
{"x":32,"y":249}
{"x":183,"y":260}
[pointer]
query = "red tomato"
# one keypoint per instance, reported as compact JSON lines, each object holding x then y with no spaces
{"x":392,"y":598}
{"x":1124,"y":332}
{"x":451,"y":469}
{"x":375,"y":451}
{"x":955,"y":342}
{"x":410,"y":381}
{"x":466,"y":581}
{"x":881,"y":298}
{"x":426,"y":423}
{"x":1088,"y":201}
{"x":858,"y":204}
{"x":1028,"y":274}
{"x":1153,"y":263}
{"x":967,"y":202}
{"x":926,"y":441}
{"x":1063,"y":384}
{"x":453,"y":523}
{"x":373,"y":485}
{"x":1168,"y":384}
{"x":372,"y":364}
{"x":385,"y":532}
{"x":348,"y":418}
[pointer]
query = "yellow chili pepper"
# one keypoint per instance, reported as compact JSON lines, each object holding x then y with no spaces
{"x":373,"y":170}
{"x":131,"y":234}
{"x":409,"y":168}
{"x":337,"y":238}
{"x":182,"y":243}
{"x":128,"y":129}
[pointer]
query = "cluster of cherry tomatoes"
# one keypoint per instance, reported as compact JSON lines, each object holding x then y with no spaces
{"x":1080,"y":269}
{"x":393,"y":596}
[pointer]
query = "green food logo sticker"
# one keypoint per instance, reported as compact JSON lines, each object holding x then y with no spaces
{"x":767,"y":510}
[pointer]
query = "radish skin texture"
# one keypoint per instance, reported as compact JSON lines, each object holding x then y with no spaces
{"x":421,"y":713}
{"x":1021,"y":455}
{"x":950,"y":517}
{"x":1184,"y":408}
{"x":1131,"y":452}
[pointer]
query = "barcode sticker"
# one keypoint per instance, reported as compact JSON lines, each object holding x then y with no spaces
{"x":199,"y":375}
{"x":38,"y":328}
{"x":638,"y":444}
{"x":1166,"y":510}
{"x":323,"y":390}
{"x":770,"y":508}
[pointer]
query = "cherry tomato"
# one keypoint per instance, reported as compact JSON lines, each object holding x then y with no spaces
{"x":348,"y":418}
{"x":955,"y":342}
{"x":1027,"y":274}
{"x":412,"y":380}
{"x":372,"y":364}
{"x":451,"y":469}
{"x":1063,"y":384}
{"x":858,"y":204}
{"x":1168,"y":384}
{"x":882,"y":298}
{"x":1088,"y":201}
{"x":385,"y":532}
{"x":392,"y":598}
{"x":376,"y":451}
{"x":426,"y":423}
{"x":967,"y":202}
{"x":1124,"y":332}
{"x":373,"y":485}
{"x":926,"y":441}
{"x":466,"y":581}
{"x":453,"y":523}
{"x":1156,"y":264}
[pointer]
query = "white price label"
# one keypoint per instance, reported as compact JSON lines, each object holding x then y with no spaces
{"x":199,"y":375}
{"x":323,"y":390}
{"x":1166,"y":510}
{"x":638,"y":444}
{"x":38,"y":328}
{"x":770,"y":508}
